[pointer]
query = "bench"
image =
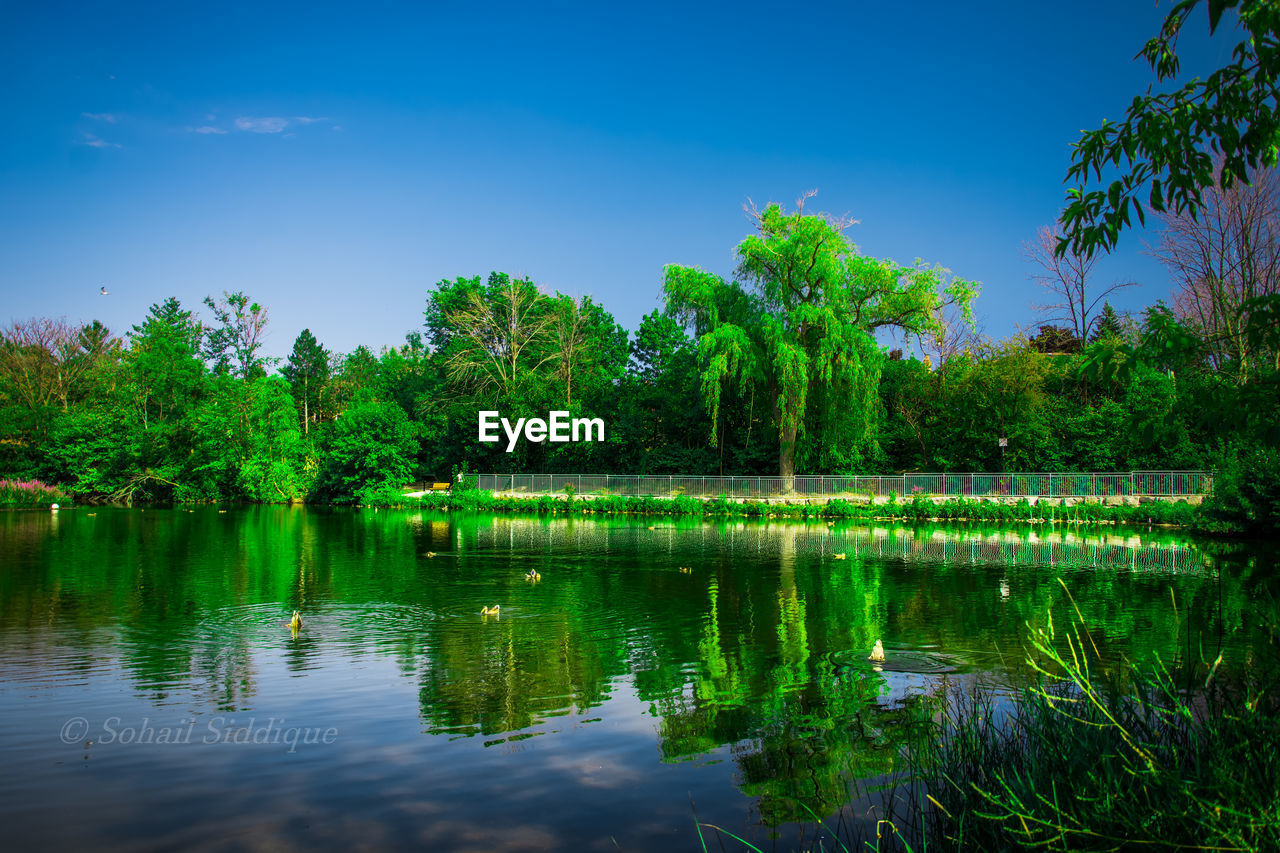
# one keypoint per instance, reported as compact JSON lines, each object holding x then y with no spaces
{"x":440,"y":487}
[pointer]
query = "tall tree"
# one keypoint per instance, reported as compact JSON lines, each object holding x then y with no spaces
{"x":232,"y":346}
{"x":494,"y":337}
{"x":307,"y":371}
{"x":47,"y":362}
{"x":1067,"y":277}
{"x":1223,"y":260}
{"x":807,"y":321}
{"x":163,"y":355}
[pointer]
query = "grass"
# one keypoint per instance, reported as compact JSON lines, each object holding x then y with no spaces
{"x":918,"y":509}
{"x":1107,"y":757}
{"x":29,"y":493}
{"x":1094,"y":755}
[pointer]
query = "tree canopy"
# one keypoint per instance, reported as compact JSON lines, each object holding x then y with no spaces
{"x":799,"y":325}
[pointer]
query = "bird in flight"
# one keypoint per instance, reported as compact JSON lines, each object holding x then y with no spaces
{"x":104,"y":291}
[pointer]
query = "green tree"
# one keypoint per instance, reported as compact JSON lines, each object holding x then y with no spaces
{"x":1160,"y":146}
{"x":307,"y":372}
{"x":367,"y":453}
{"x":276,"y":464}
{"x":807,"y":322}
{"x":1109,"y":325}
{"x":232,"y":346}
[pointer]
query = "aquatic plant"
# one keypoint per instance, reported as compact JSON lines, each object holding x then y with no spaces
{"x":1099,"y":755}
{"x":19,"y":493}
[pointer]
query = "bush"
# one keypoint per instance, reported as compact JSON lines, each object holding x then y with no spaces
{"x":1246,"y":492}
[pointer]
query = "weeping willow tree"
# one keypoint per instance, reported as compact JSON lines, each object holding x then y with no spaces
{"x":799,"y":323}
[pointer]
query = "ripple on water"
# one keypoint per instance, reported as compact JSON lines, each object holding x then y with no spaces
{"x":899,"y":660}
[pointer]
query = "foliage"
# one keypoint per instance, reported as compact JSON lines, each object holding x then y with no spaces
{"x":1107,"y":756}
{"x":1246,"y":492}
{"x":232,"y":345}
{"x":29,"y":493}
{"x":1160,"y":146}
{"x":366,"y":454}
{"x":803,"y":333}
{"x":307,"y":372}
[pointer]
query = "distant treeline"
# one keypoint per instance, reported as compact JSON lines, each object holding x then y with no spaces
{"x":736,"y":377}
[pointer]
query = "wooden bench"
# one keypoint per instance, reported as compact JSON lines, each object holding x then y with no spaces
{"x":440,"y":487}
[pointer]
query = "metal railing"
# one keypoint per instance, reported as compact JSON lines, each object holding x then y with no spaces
{"x":1168,"y":484}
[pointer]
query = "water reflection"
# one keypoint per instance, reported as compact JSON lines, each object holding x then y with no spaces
{"x":699,"y":647}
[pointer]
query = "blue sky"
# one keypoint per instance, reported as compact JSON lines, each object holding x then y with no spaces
{"x":334,"y":161}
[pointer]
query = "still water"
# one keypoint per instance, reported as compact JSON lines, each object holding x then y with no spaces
{"x":152,"y":695}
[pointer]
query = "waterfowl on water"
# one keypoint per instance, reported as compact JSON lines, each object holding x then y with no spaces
{"x":430,"y":554}
{"x":840,"y":556}
{"x":533,"y":575}
{"x":686,"y":570}
{"x":295,"y":623}
{"x":490,"y":611}
{"x":877,"y":653}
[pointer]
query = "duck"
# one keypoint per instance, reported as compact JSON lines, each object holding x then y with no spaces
{"x":296,"y":622}
{"x":533,"y":575}
{"x":840,"y":556}
{"x":490,"y":611}
{"x":430,"y":554}
{"x":877,"y":653}
{"x":687,"y":570}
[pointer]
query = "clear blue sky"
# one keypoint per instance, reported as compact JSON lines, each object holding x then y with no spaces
{"x":334,"y":161}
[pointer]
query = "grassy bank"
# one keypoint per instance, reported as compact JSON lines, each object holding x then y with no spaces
{"x":915,"y":510}
{"x":30,"y":493}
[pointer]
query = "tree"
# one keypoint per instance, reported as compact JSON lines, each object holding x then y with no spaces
{"x":164,"y":361}
{"x":1055,"y":339}
{"x":1160,"y":147}
{"x":1066,"y":276}
{"x":47,"y":362}
{"x":494,"y":337}
{"x":307,"y":371}
{"x":275,"y":466}
{"x":808,"y":321}
{"x":1109,"y":325}
{"x":367,"y":453}
{"x":233,"y":344}
{"x":1222,"y":260}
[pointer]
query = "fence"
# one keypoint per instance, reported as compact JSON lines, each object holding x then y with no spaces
{"x":1168,"y":484}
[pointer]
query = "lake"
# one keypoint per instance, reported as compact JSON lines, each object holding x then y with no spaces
{"x":152,"y":695}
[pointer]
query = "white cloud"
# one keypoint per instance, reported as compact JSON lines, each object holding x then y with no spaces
{"x":266,"y":124}
{"x":109,"y":118}
{"x":309,"y":119}
{"x":94,"y":142}
{"x":206,"y":129}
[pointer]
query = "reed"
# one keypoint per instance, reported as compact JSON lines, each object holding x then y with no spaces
{"x":1107,"y":756}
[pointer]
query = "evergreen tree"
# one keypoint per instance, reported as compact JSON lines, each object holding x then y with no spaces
{"x":307,"y":372}
{"x":1109,"y":325}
